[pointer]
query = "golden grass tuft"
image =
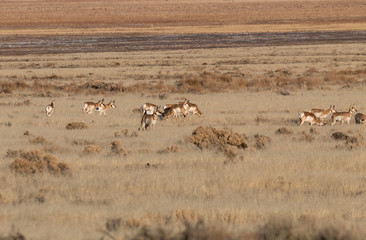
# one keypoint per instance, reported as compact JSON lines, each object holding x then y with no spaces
{"x":223,"y":140}
{"x":184,"y":215}
{"x":39,"y":140}
{"x":355,"y":142}
{"x":171,"y":149}
{"x":117,"y":149}
{"x":92,"y":149}
{"x":76,"y":125}
{"x":261,"y":141}
{"x":36,"y":161}
{"x":351,"y":142}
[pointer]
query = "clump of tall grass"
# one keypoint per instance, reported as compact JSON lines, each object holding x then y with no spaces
{"x":350,"y":142}
{"x":36,"y":161}
{"x":223,"y":140}
{"x":117,"y":149}
{"x":92,"y":149}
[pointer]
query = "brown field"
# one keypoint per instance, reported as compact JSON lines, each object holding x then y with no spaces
{"x":175,"y":16}
{"x":244,"y":170}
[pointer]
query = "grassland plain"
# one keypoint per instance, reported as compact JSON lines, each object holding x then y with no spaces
{"x":109,"y":181}
{"x":305,"y":176}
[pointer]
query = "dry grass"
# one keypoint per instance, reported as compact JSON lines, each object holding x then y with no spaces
{"x":206,"y":82}
{"x":76,"y":125}
{"x":117,"y":149}
{"x":350,"y":142}
{"x":92,"y":149}
{"x":261,"y":141}
{"x":301,"y":174}
{"x":162,"y":17}
{"x":160,"y":178}
{"x":283,"y":131}
{"x":171,"y":149}
{"x":32,"y":162}
{"x":223,"y":140}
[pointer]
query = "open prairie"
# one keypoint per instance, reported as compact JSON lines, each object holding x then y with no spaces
{"x":243,"y":170}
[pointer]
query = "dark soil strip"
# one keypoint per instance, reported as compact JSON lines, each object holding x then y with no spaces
{"x":25,"y":44}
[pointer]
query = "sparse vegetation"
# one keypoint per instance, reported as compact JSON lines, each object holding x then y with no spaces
{"x":92,"y":149}
{"x":117,"y":149}
{"x":283,"y":131}
{"x":278,"y":181}
{"x":76,"y":125}
{"x":31,"y":162}
{"x":223,"y":140}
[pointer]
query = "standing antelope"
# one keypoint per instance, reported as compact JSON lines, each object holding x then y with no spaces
{"x":193,"y":108}
{"x":148,"y":107}
{"x":310,"y":118}
{"x":149,"y":120}
{"x":176,"y":109}
{"x":343,"y":116}
{"x":167,"y":106}
{"x":89,"y":107}
{"x":104,"y":107}
{"x":360,"y":118}
{"x":323,"y":114}
{"x":50,"y":108}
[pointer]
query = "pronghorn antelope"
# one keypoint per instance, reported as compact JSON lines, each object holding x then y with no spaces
{"x":50,"y":108}
{"x":149,"y":120}
{"x":323,"y":114}
{"x":149,"y":107}
{"x":360,"y":118}
{"x":89,"y":107}
{"x":167,"y":106}
{"x":343,"y":116}
{"x":104,"y":107}
{"x":176,"y":109}
{"x":310,"y":118}
{"x":193,"y":108}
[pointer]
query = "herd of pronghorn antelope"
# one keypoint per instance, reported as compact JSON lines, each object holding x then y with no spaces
{"x":317,"y":116}
{"x":150,"y":112}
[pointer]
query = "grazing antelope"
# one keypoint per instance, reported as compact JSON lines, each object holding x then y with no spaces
{"x":50,"y":108}
{"x":193,"y":108}
{"x":323,"y":114}
{"x":360,"y":118}
{"x":149,"y":120}
{"x":104,"y":107}
{"x":89,"y":107}
{"x":310,"y":118}
{"x":343,"y":116}
{"x":149,"y":107}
